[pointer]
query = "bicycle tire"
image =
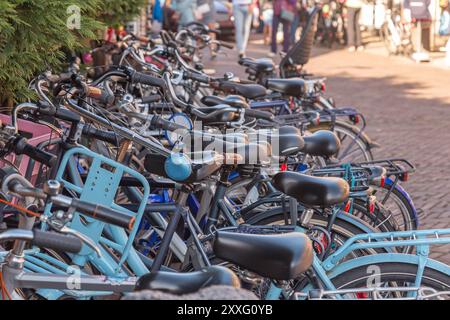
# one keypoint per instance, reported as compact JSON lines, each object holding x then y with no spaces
{"x":391,"y":272}
{"x":408,"y":212}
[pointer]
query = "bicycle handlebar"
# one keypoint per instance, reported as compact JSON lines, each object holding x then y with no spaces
{"x":46,"y":239}
{"x":106,"y":136}
{"x":96,"y":211}
{"x":21,"y":146}
{"x":104,"y":213}
{"x":56,"y":241}
{"x":196,"y":76}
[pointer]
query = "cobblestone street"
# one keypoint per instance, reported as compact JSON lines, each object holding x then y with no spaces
{"x":407,"y":107}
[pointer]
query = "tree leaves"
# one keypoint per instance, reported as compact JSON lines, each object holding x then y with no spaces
{"x":34,"y":33}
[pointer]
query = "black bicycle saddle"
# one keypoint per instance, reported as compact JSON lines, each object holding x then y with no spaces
{"x":276,"y":256}
{"x":183,"y":283}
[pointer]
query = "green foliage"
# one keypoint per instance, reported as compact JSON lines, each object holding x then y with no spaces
{"x":33,"y":34}
{"x":117,"y":12}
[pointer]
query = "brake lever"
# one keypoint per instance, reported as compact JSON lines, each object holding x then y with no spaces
{"x":88,"y":241}
{"x":85,"y":239}
{"x":179,"y":77}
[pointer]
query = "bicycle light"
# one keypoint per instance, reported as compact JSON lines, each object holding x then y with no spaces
{"x":178,"y":166}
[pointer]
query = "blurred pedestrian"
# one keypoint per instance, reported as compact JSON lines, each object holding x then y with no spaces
{"x":242,"y":12}
{"x":185,"y":10}
{"x":354,"y":40}
{"x":301,"y":14}
{"x":417,"y":13}
{"x":444,"y":27}
{"x":206,"y":12}
{"x":267,"y":18}
{"x":284,"y":13}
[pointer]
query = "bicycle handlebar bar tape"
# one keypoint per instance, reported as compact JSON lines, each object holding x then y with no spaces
{"x":56,"y":241}
{"x":104,"y":214}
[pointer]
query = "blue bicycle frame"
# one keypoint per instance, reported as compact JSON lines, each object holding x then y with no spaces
{"x":332,"y":267}
{"x":101,"y":185}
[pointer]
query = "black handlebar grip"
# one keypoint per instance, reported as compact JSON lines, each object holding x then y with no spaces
{"x":259,"y":114}
{"x":151,"y":99}
{"x":107,"y":136}
{"x":161,"y":123}
{"x":106,"y":98}
{"x":59,"y":113}
{"x":56,"y":241}
{"x":67,"y":115}
{"x":104,"y":214}
{"x":22,"y":147}
{"x":147,"y":79}
{"x":197,"y":77}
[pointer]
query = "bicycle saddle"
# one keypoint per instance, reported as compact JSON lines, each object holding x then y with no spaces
{"x":182,"y":283}
{"x":321,"y":143}
{"x":220,"y":117}
{"x":231,"y":100}
{"x":284,"y":142}
{"x":294,"y":87}
{"x":312,"y":191}
{"x":247,"y":90}
{"x":259,"y":65}
{"x":276,"y":256}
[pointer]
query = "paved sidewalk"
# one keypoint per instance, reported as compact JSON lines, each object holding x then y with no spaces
{"x":407,"y":106}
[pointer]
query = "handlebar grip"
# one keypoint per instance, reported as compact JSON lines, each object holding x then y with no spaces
{"x":259,"y":114}
{"x":21,"y":146}
{"x":56,"y":241}
{"x":59,"y":113}
{"x":203,"y":78}
{"x":151,"y":99}
{"x":104,"y":214}
{"x":226,"y":45}
{"x":107,"y":136}
{"x":101,"y":95}
{"x":161,"y":123}
{"x":147,"y":79}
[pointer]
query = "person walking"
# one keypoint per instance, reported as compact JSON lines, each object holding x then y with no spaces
{"x":284,"y":13}
{"x":354,"y":40}
{"x":206,"y":12}
{"x":185,"y":10}
{"x":417,"y":13}
{"x":267,"y":17}
{"x":444,"y":27}
{"x":242,"y":12}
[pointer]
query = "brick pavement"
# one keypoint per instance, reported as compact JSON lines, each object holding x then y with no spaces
{"x":407,"y":107}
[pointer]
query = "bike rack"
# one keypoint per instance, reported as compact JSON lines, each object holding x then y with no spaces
{"x":419,"y":238}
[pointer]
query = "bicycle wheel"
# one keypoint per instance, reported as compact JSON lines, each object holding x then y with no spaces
{"x":343,"y":229}
{"x":389,"y":275}
{"x":387,"y":40}
{"x":400,"y":207}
